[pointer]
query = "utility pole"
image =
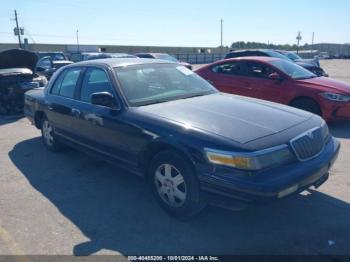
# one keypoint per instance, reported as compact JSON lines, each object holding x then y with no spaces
{"x":298,"y":38}
{"x":222,"y":32}
{"x":77,"y":34}
{"x":18,"y":31}
{"x":222,"y":25}
{"x":313,"y":39}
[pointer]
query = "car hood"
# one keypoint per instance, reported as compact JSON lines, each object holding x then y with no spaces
{"x":15,"y":71}
{"x":326,"y":82}
{"x":313,"y":62}
{"x":305,"y":64}
{"x":18,"y":58}
{"x":237,"y":118}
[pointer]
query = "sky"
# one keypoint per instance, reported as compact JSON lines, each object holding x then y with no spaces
{"x":176,"y":22}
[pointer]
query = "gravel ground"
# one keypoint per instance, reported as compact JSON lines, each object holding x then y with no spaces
{"x":69,"y":203}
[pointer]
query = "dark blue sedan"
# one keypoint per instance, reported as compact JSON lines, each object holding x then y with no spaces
{"x":193,"y":144}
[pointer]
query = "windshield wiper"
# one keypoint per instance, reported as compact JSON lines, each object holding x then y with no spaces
{"x":303,"y":78}
{"x":196,"y":95}
{"x":155,"y":102}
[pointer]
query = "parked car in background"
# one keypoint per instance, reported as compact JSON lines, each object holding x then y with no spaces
{"x":110,"y":55}
{"x":77,"y":57}
{"x":297,"y":59}
{"x":193,"y":144}
{"x":163,"y":56}
{"x":281,"y":81}
{"x":323,"y":55}
{"x":314,"y":68}
{"x":17,"y":75}
{"x":55,"y":56}
{"x":47,"y":66}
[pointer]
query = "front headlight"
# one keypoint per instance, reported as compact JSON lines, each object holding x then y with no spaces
{"x":251,"y":161}
{"x":336,"y":97}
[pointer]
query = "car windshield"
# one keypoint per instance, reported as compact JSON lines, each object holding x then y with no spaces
{"x":167,"y":58}
{"x":293,"y":56}
{"x":277,"y":55}
{"x":293,"y":70}
{"x":157,"y":83}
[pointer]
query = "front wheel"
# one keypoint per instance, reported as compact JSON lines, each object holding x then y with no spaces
{"x":307,"y":104}
{"x":48,"y":136}
{"x":175,"y":185}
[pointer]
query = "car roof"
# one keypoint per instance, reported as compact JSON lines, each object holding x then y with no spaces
{"x":246,"y":50}
{"x":254,"y":58}
{"x":122,"y":62}
{"x":152,"y":54}
{"x":49,"y":52}
{"x":283,"y":51}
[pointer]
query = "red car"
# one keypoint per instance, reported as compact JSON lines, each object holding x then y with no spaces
{"x":280,"y":81}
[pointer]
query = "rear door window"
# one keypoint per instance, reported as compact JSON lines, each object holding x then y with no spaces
{"x":232,"y":68}
{"x":55,"y":90}
{"x":69,"y":82}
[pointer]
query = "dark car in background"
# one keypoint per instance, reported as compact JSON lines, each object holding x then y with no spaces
{"x":193,"y":145}
{"x":297,"y":59}
{"x":314,"y":68}
{"x":55,"y":56}
{"x":163,"y":56}
{"x":17,"y":75}
{"x":109,"y":55}
{"x":47,"y":66}
{"x":83,"y":56}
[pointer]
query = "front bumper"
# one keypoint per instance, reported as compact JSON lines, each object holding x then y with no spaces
{"x":222,"y":188}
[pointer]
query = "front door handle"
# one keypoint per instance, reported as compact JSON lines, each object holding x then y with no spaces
{"x":76,"y":112}
{"x":210,"y":82}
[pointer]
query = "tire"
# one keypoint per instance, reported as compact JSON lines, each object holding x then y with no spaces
{"x":175,"y":185}
{"x":307,"y":104}
{"x":48,"y":136}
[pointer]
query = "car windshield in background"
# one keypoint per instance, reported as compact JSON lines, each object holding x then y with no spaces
{"x":293,"y":56}
{"x":157,"y":83}
{"x":167,"y":58}
{"x":294,"y":71}
{"x":277,"y":55}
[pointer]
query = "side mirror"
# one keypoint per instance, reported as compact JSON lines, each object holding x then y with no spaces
{"x":276,"y":77}
{"x":103,"y":99}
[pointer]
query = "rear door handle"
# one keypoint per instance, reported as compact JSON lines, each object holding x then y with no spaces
{"x":76,"y":112}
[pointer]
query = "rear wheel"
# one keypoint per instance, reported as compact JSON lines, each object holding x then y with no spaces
{"x":307,"y":104}
{"x":174,"y":185}
{"x":48,"y":135}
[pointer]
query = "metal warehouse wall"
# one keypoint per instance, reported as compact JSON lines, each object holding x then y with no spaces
{"x":115,"y":48}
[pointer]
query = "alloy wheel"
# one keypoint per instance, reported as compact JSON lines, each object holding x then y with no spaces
{"x":170,"y":185}
{"x":47,"y":133}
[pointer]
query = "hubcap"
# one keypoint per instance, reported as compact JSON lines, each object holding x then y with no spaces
{"x":170,"y":185}
{"x":47,"y":132}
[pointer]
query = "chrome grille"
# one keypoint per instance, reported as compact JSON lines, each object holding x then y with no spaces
{"x":308,"y":145}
